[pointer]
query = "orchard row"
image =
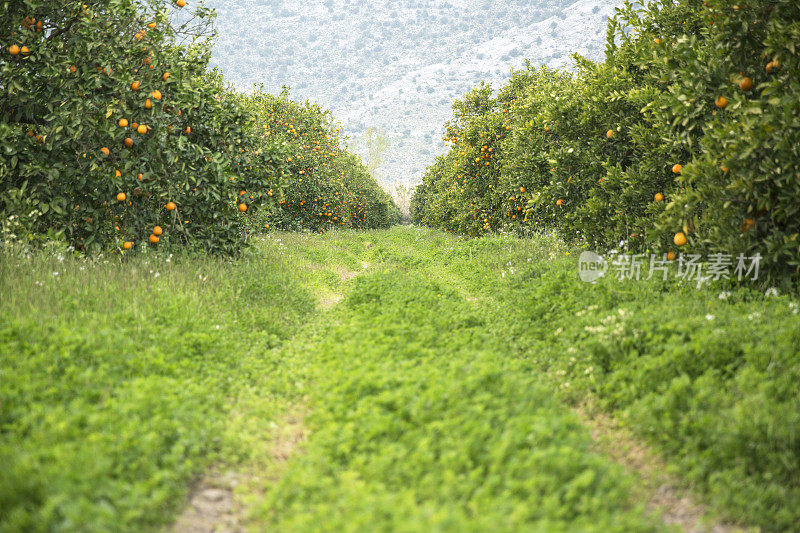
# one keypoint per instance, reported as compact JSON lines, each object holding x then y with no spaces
{"x":115,"y":136}
{"x":684,"y":138}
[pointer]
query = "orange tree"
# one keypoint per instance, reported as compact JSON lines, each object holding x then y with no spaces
{"x":110,"y":129}
{"x":743,"y":180}
{"x":322,"y":185}
{"x":460,"y":191}
{"x":684,"y":136}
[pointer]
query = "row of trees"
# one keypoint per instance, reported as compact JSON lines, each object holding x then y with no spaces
{"x":114,"y":133}
{"x":686,"y":135}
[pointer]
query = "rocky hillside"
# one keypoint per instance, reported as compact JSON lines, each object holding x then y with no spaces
{"x":397,"y":65}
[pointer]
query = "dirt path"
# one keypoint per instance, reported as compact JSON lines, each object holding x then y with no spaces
{"x":213,"y":506}
{"x":662,"y":492}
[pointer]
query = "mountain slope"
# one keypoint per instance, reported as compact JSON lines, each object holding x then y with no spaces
{"x":397,"y":65}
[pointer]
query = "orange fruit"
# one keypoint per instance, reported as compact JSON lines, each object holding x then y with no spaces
{"x":748,"y":223}
{"x":657,"y":41}
{"x":142,"y":129}
{"x":25,"y":50}
{"x":166,"y":76}
{"x":127,"y":245}
{"x":721,"y":102}
{"x":135,"y":86}
{"x":13,"y":50}
{"x":72,"y":69}
{"x":118,"y":174}
{"x":121,"y":197}
{"x":659,"y":197}
{"x":746,"y":84}
{"x":154,"y":239}
{"x":671,"y":256}
{"x":105,"y":150}
{"x":560,"y":202}
{"x":128,"y":142}
{"x":170,"y":206}
{"x":679,"y":239}
{"x":180,"y":3}
{"x":157,"y":231}
{"x":724,"y":168}
{"x":156,"y":94}
{"x":522,"y":189}
{"x":610,"y":133}
{"x":148,"y":104}
{"x":188,"y":130}
{"x":677,"y":168}
{"x":242,"y":207}
{"x":152,"y":25}
{"x":123,"y":123}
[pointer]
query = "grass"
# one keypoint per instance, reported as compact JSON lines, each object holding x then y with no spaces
{"x":437,"y":394}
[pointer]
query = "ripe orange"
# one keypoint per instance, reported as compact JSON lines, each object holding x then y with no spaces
{"x":677,"y":168}
{"x":154,"y":239}
{"x":121,"y":197}
{"x":13,"y":50}
{"x":123,"y":123}
{"x":105,"y":150}
{"x":127,"y":245}
{"x":170,"y":206}
{"x":242,"y":207}
{"x":128,"y":142}
{"x":657,"y":41}
{"x":188,"y":130}
{"x":118,"y":174}
{"x":25,"y":50}
{"x":522,"y":189}
{"x":148,"y":104}
{"x":156,"y":94}
{"x":142,"y":129}
{"x":679,"y":239}
{"x":721,"y":102}
{"x":671,"y":256}
{"x":610,"y":133}
{"x":659,"y":197}
{"x":135,"y":86}
{"x":72,"y":69}
{"x":560,"y":202}
{"x":157,"y":231}
{"x":746,"y":84}
{"x":180,"y":3}
{"x":166,"y":76}
{"x":152,"y":25}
